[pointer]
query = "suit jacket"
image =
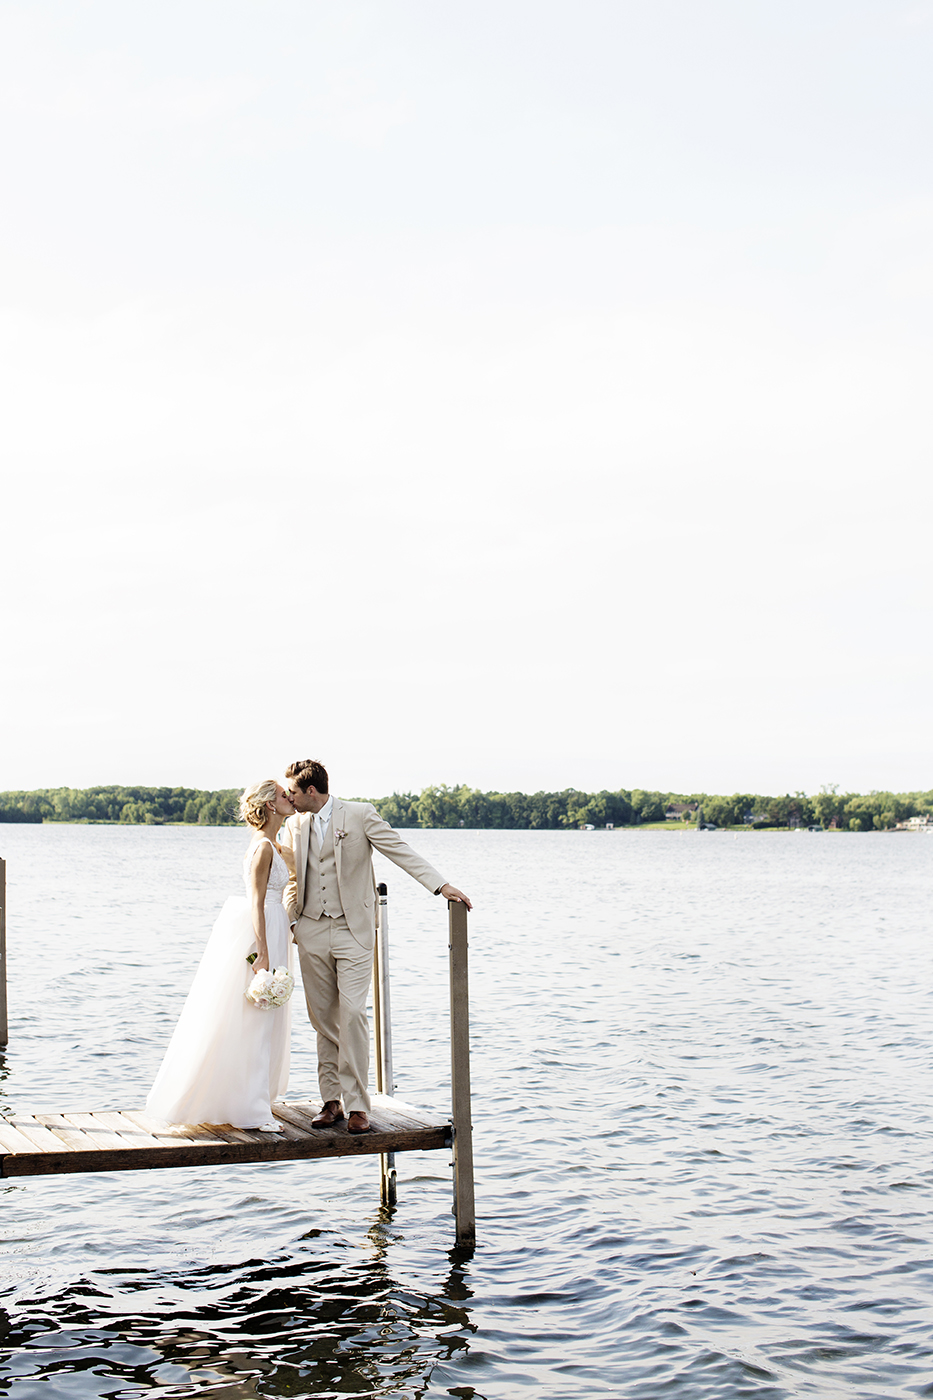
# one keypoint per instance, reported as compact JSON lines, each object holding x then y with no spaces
{"x":358,"y":829}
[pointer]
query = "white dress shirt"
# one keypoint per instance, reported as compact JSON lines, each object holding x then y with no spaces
{"x":322,"y":821}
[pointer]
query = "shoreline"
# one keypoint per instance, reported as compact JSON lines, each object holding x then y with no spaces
{"x":441,"y":807}
{"x":671,"y":828}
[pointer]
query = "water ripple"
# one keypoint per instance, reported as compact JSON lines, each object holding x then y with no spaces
{"x":702,"y":1115}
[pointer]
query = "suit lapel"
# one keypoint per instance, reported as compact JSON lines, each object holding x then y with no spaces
{"x":304,"y":836}
{"x":336,"y":824}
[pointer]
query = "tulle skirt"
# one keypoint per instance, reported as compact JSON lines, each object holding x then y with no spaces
{"x":227,"y":1059}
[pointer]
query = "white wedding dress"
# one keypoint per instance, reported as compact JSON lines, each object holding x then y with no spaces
{"x":227,"y":1059}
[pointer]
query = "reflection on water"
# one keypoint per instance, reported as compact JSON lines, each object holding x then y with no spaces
{"x":702,"y":1117}
{"x":302,"y":1324}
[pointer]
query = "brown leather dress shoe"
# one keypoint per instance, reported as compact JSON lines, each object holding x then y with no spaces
{"x":330,"y":1114}
{"x":358,"y":1123}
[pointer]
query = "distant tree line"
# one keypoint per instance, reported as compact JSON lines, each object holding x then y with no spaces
{"x":136,"y":806}
{"x":847,"y":811}
{"x":466,"y":807}
{"x":542,"y":811}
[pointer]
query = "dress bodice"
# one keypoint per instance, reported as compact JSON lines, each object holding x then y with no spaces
{"x":278,"y":873}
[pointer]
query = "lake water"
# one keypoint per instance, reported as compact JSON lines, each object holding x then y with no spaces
{"x":702,"y":1118}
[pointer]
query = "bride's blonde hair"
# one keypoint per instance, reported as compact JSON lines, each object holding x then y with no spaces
{"x":253,"y":802}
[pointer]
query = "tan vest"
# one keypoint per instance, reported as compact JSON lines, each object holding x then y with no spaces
{"x":322,"y":897}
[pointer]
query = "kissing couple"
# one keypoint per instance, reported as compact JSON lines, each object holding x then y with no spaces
{"x":309,"y":881}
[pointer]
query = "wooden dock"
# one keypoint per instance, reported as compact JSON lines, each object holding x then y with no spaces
{"x":57,"y":1144}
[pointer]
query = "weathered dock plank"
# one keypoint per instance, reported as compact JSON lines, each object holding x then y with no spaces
{"x":170,"y":1136}
{"x":12,"y":1140}
{"x":100,"y":1135}
{"x":134,"y":1134}
{"x":74,"y":1137}
{"x":40,"y":1136}
{"x":292,"y":1114}
{"x":53,"y":1144}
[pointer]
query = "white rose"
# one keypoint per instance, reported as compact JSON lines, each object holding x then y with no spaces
{"x":260,"y":990}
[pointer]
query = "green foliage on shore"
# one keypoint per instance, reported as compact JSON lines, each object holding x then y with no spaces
{"x":462,"y":806}
{"x":517,"y":811}
{"x":466,"y":807}
{"x":842,"y":811}
{"x":136,"y":806}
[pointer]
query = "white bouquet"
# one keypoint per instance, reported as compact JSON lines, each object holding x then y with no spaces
{"x":269,"y":989}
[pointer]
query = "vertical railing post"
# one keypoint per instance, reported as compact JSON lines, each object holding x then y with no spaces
{"x":4,"y":1035}
{"x":382,"y":1009}
{"x":464,"y":1204}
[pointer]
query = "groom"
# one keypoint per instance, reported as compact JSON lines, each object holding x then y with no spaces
{"x":331,"y":903}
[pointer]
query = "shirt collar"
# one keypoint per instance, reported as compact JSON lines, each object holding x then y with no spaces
{"x":324,"y":814}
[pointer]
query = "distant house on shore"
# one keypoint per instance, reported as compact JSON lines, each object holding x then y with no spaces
{"x":915,"y":824}
{"x":680,"y":811}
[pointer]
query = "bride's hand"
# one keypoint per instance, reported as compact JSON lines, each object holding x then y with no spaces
{"x":261,"y":964}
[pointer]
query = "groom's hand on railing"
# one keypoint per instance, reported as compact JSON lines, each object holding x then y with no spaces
{"x":451,"y":892}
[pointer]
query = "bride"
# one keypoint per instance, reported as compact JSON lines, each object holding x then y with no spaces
{"x":227,"y":1060}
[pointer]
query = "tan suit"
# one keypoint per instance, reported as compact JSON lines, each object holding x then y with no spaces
{"x":331,"y":898}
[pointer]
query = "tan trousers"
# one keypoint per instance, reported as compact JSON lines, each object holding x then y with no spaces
{"x":336,"y":972}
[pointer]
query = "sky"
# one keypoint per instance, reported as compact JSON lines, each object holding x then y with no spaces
{"x":529,"y":394}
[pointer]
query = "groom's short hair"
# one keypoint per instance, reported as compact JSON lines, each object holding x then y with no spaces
{"x":307,"y":772}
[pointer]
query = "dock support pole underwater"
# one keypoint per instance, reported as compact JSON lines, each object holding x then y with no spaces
{"x":382,"y":1014}
{"x":464,"y":1204}
{"x":4,"y":1034}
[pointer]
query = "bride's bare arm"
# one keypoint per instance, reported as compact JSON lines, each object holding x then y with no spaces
{"x":258,"y":880}
{"x":287,"y":840}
